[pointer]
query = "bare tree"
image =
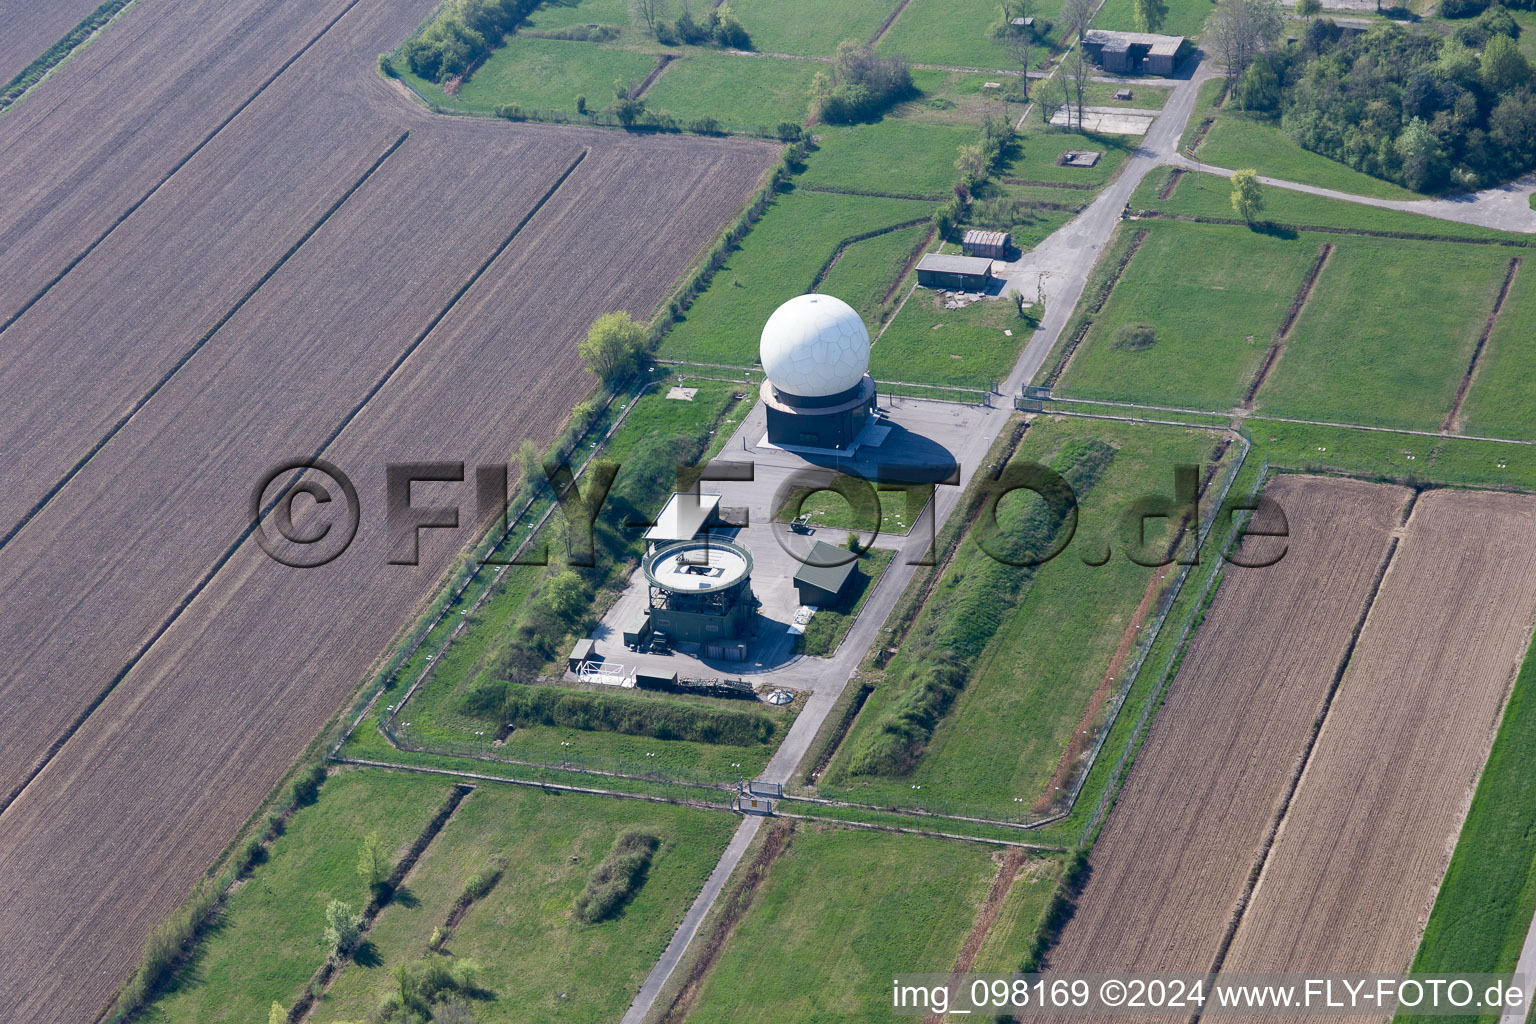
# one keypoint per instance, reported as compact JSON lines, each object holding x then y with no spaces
{"x":1077,"y":14}
{"x":652,"y":12}
{"x":1078,"y":69}
{"x":1240,"y":30}
{"x":1017,"y":34}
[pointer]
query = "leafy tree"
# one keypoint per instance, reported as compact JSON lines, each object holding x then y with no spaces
{"x":1151,"y":13}
{"x":1259,"y":88}
{"x":1504,"y":67}
{"x":972,"y":165}
{"x":613,"y":346}
{"x":529,"y":463}
{"x":1247,"y":194}
{"x":1309,"y":8}
{"x":566,"y":594}
{"x":277,"y":1015}
{"x":343,"y":928}
{"x":372,"y":865}
{"x":861,"y":86}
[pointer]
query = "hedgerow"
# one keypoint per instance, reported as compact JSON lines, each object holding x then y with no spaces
{"x":617,"y":878}
{"x":521,"y":704}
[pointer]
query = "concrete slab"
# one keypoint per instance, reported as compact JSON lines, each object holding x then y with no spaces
{"x":1107,"y":120}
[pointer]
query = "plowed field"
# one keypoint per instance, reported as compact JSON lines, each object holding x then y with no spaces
{"x":229,"y":243}
{"x":1173,"y":858}
{"x":1359,"y":857}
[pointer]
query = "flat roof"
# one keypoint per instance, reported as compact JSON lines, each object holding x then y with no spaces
{"x":1166,"y":46}
{"x":698,"y":565}
{"x":685,"y":513}
{"x":945,"y":264}
{"x":819,"y":569}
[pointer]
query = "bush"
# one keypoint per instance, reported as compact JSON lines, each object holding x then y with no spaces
{"x":343,"y":928}
{"x":1462,"y":8}
{"x":307,"y":786}
{"x":617,"y":878}
{"x":522,"y":704}
{"x":1135,"y":337}
{"x":463,"y":34}
{"x":386,"y":68}
{"x":789,"y":131}
{"x":861,"y":87}
{"x":164,"y":947}
{"x":705,"y":126}
{"x":250,"y":855}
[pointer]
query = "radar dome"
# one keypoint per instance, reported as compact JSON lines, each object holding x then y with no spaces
{"x":814,"y":346}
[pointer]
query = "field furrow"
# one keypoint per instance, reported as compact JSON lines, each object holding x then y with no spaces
{"x":118,"y":118}
{"x":1176,"y":852}
{"x":196,"y":734}
{"x":1356,"y":865}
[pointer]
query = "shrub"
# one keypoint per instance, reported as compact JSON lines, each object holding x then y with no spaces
{"x":789,"y":131}
{"x":463,"y":34}
{"x":861,"y":87}
{"x":581,"y":104}
{"x":250,"y":855}
{"x":386,"y":68}
{"x":166,"y":944}
{"x":705,"y":126}
{"x":343,"y":928}
{"x":1135,"y":337}
{"x":617,"y":879}
{"x":521,"y":704}
{"x":307,"y":786}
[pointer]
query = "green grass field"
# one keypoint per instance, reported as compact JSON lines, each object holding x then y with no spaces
{"x":1039,"y":149}
{"x":1387,"y":333}
{"x":1208,"y":195}
{"x":1237,"y":141}
{"x":535,"y":961}
{"x":893,"y":156}
{"x":545,"y":74}
{"x":776,"y":261}
{"x":269,"y":940}
{"x":958,"y":33}
{"x":841,"y":911}
{"x":1215,"y":297}
{"x":812,"y":29}
{"x":928,"y":344}
{"x":740,"y":92}
{"x":1019,"y":916}
{"x":1484,"y":908}
{"x":1502,"y":401}
{"x":556,"y":14}
{"x":1377,"y":453}
{"x":867,"y":269}
{"x":1185,"y":17}
{"x":1005,"y":734}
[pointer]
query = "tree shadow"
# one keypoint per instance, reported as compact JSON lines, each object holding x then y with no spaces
{"x":1269,"y":227}
{"x":367,"y":955}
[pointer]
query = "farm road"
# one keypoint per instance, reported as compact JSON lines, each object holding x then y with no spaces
{"x":1505,"y":207}
{"x":1069,"y":255}
{"x":282,"y":274}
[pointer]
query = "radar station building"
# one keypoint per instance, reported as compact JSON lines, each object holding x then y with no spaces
{"x":700,"y":592}
{"x":819,"y":394}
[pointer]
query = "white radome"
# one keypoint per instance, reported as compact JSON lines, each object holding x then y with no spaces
{"x":814,"y":346}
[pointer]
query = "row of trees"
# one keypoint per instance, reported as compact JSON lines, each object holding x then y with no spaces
{"x":463,"y":34}
{"x":719,"y":25}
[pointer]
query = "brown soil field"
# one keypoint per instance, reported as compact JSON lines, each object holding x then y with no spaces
{"x":1355,"y":867}
{"x":1176,"y":852}
{"x":112,"y":123}
{"x":27,"y":28}
{"x":415,"y":322}
{"x":120,"y":323}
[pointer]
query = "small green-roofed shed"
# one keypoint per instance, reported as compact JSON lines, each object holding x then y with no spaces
{"x":821,"y":578}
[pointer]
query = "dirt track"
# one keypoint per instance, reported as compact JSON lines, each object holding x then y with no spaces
{"x":1175,"y":854}
{"x":1359,"y":857}
{"x":339,"y":348}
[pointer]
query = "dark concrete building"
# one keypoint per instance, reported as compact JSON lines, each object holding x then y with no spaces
{"x":955,"y":273}
{"x":1135,"y":53}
